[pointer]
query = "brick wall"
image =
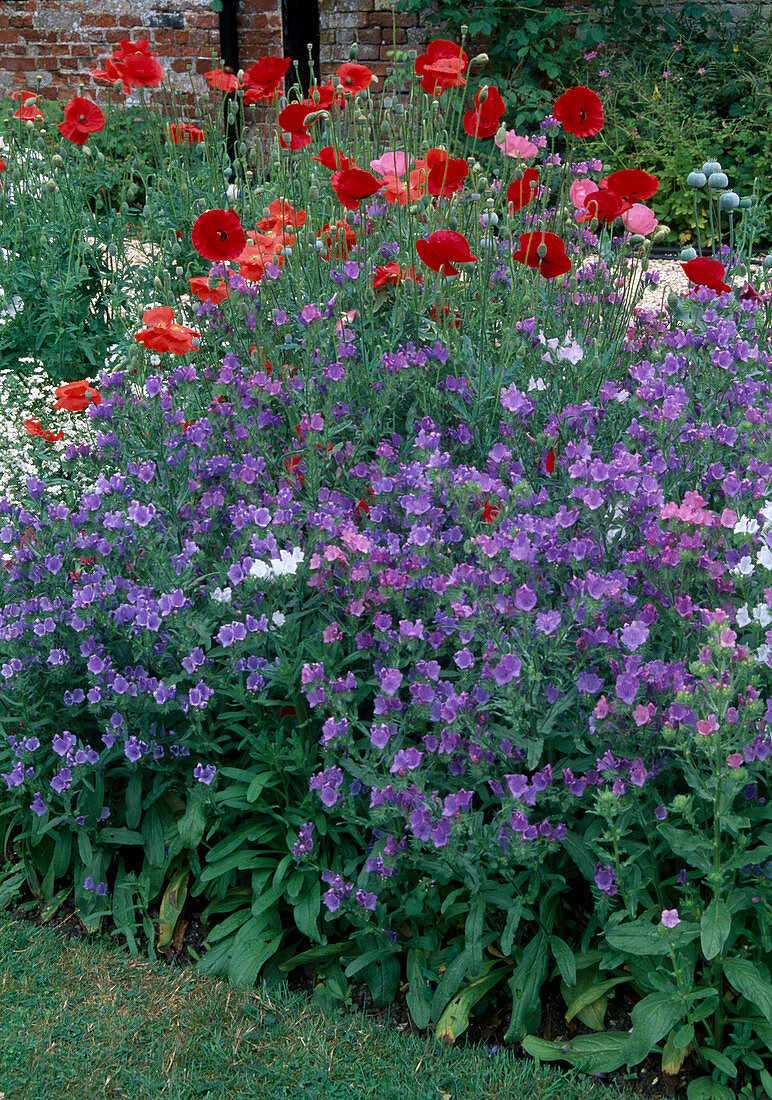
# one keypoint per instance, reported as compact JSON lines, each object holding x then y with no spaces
{"x":58,"y":41}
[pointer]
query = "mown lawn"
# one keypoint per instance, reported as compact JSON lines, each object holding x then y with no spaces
{"x":81,"y":1020}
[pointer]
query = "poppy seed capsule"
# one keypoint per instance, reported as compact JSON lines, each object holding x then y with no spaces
{"x":718,"y":180}
{"x":696,"y":180}
{"x":711,"y":166}
{"x":687,"y":254}
{"x":768,"y":261}
{"x":730,"y":200}
{"x":746,"y":203}
{"x":541,"y":251}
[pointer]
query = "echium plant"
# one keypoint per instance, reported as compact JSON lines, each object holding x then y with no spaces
{"x":392,"y":606}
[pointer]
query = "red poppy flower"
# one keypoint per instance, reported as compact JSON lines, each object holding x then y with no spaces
{"x":81,"y":118}
{"x":338,"y":240}
{"x":442,"y":250}
{"x":606,"y":206}
{"x":702,"y":271}
{"x":354,"y":184}
{"x":392,"y":275}
{"x":631,"y":184}
{"x":490,"y":511}
{"x":446,"y":175}
{"x":255,"y":256}
{"x":138,"y":67}
{"x":28,"y":111}
{"x":218,"y":235}
{"x":202,"y":290}
{"x":484,"y":121}
{"x":580,"y":111}
{"x":442,"y":66}
{"x":281,"y":214}
{"x":292,"y":121}
{"x":262,"y":80}
{"x":34,"y":427}
{"x":292,"y":467}
{"x":334,"y":159}
{"x":321,"y":97}
{"x":182,"y":133}
{"x":3,"y":165}
{"x":553,"y":260}
{"x":549,"y":461}
{"x":163,"y":334}
{"x":222,"y":81}
{"x":76,"y":396}
{"x":520,"y":192}
{"x":23,"y":95}
{"x":354,"y":78}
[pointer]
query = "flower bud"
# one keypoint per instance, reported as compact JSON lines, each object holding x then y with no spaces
{"x":718,"y":180}
{"x":687,"y":254}
{"x":157,"y":283}
{"x":313,"y":194}
{"x":637,"y":239}
{"x":672,"y":300}
{"x":696,"y":180}
{"x":50,"y":185}
{"x":479,"y":59}
{"x":482,"y":95}
{"x":768,"y":261}
{"x":661,"y":233}
{"x":746,"y":203}
{"x":730,"y":200}
{"x":57,"y":161}
{"x":711,"y":166}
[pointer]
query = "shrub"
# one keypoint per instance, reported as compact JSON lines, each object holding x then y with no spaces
{"x":411,"y":615}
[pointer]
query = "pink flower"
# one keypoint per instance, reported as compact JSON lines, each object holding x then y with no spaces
{"x":670,"y":918}
{"x":735,"y":760}
{"x":580,"y":189}
{"x":727,"y":639}
{"x":390,"y":164}
{"x":707,"y":725}
{"x":639,"y":219}
{"x":512,"y":145}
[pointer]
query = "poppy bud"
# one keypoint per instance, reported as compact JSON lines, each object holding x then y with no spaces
{"x":313,"y":195}
{"x":86,"y":151}
{"x":314,"y":115}
{"x":661,"y":233}
{"x":746,"y":203}
{"x":56,"y":160}
{"x":50,"y":185}
{"x":768,"y":261}
{"x":453,"y":224}
{"x":479,"y":59}
{"x":593,"y":224}
{"x":482,"y":183}
{"x":573,"y":284}
{"x":157,"y":283}
{"x":672,"y":300}
{"x":637,"y":239}
{"x":482,"y":95}
{"x":353,"y":50}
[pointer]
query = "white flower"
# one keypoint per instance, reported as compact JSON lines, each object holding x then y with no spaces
{"x":762,"y":653}
{"x":762,"y":614}
{"x":765,"y":557}
{"x":260,"y":569}
{"x":743,"y":618}
{"x":766,"y":512}
{"x":287,"y":563}
{"x":745,"y":526}
{"x":222,"y":595}
{"x":744,"y":567}
{"x":536,"y":384}
{"x":278,"y":619}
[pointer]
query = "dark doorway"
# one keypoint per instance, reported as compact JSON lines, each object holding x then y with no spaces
{"x":301,"y":30}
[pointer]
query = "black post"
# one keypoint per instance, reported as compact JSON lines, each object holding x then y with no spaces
{"x":300,"y":19}
{"x":229,"y":51}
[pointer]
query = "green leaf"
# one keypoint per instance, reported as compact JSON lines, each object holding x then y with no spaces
{"x":526,"y":983}
{"x":306,"y":911}
{"x":455,"y":1019}
{"x":513,"y":920}
{"x":230,"y":925}
{"x":192,"y":823}
{"x":588,"y":995}
{"x":602,"y":1053}
{"x":720,"y":1061}
{"x":171,"y":907}
{"x":653,"y":1018}
{"x":746,"y":979}
{"x":323,"y":953}
{"x":241,"y":861}
{"x":10,"y":887}
{"x":153,"y":833}
{"x":450,"y":983}
{"x":418,"y":995}
{"x":640,"y":937}
{"x":705,"y":1088}
{"x":564,"y":957}
{"x":252,"y":948}
{"x":382,"y":978}
{"x":715,"y":926}
{"x":121,"y":836}
{"x":134,"y":800}
{"x":473,"y":935}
